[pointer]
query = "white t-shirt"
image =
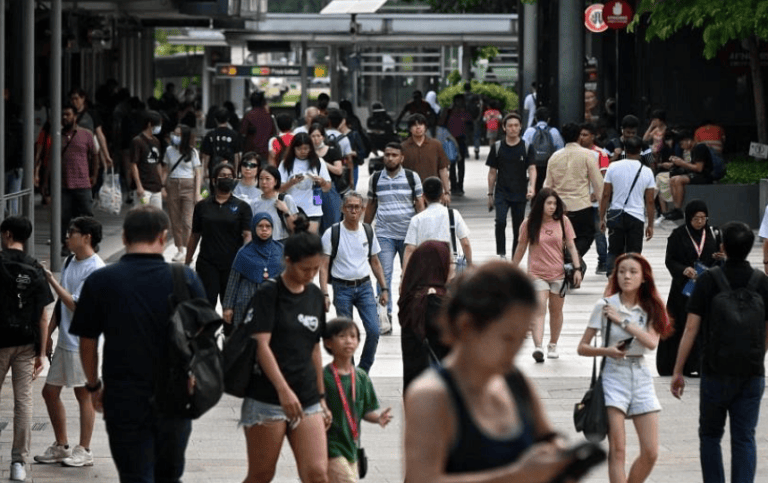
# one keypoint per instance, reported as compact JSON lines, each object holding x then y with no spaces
{"x":636,"y":316}
{"x":529,"y":104}
{"x":343,"y":143}
{"x":621,"y":174}
{"x":433,"y":224}
{"x":186,"y":168}
{"x":302,"y":191}
{"x":246,"y":193}
{"x":72,"y":279}
{"x":267,"y":205}
{"x":764,"y":225}
{"x":351,"y":262}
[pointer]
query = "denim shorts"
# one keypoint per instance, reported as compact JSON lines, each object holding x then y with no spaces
{"x":255,"y":412}
{"x":553,"y":286}
{"x":628,"y":386}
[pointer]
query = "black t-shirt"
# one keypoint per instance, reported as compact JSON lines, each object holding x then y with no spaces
{"x":220,"y":142}
{"x":512,"y":164}
{"x":42,"y":296}
{"x":221,"y":227}
{"x":145,"y":153}
{"x":737,"y":274}
{"x":297,"y":322}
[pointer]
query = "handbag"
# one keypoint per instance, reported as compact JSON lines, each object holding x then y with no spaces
{"x":615,"y":216}
{"x":459,"y":261}
{"x":589,"y":415}
{"x":239,"y":358}
{"x":351,"y":414}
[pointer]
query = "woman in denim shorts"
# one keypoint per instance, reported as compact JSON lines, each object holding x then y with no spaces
{"x":639,"y":319}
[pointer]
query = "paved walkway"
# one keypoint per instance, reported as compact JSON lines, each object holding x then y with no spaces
{"x":216,"y":452}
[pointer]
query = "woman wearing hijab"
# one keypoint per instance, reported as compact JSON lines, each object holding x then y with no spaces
{"x":691,"y":247}
{"x":258,"y":260}
{"x":432,"y":100}
{"x":422,"y":292}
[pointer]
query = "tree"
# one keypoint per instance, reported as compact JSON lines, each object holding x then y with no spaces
{"x":472,"y":6}
{"x":720,"y":22}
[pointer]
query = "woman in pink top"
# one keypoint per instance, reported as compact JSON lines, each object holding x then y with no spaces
{"x":546,"y":230}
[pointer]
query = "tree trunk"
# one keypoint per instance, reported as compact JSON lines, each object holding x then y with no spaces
{"x":757,"y":89}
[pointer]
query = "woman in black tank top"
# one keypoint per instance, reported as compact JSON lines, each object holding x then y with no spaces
{"x":478,"y":416}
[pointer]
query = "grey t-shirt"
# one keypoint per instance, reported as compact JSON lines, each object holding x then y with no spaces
{"x":267,"y":205}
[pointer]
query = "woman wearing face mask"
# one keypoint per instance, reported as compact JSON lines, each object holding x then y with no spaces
{"x":333,"y":161}
{"x":305,"y":176}
{"x":182,"y":185}
{"x":260,"y":259}
{"x":247,"y":188}
{"x":224,"y":224}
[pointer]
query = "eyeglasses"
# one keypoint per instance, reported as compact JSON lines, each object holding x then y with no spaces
{"x":699,"y":218}
{"x":250,"y":165}
{"x":353,"y":207}
{"x":73,"y":231}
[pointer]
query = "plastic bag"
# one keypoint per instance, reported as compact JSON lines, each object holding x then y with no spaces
{"x":385,"y":326}
{"x":110,"y":195}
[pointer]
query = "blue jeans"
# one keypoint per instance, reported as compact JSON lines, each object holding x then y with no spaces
{"x":149,"y":449}
{"x":344,"y":298}
{"x":601,"y":244}
{"x":389,"y":246}
{"x":738,"y":397}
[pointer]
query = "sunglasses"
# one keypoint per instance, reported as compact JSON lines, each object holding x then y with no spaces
{"x":250,"y":165}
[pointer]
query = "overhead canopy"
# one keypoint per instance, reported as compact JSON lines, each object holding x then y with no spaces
{"x":352,"y":7}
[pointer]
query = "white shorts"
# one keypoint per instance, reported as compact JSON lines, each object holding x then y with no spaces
{"x":628,"y":386}
{"x":66,"y":369}
{"x":341,"y":471}
{"x":553,"y":286}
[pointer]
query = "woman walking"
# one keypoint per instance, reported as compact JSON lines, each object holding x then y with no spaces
{"x":334,"y":162}
{"x":477,"y":418}
{"x":638,"y":319}
{"x":247,"y":188}
{"x":547,"y":231}
{"x":281,"y":207}
{"x":305,"y":177}
{"x":285,"y":398}
{"x":182,"y":182}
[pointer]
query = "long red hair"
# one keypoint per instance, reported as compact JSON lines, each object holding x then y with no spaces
{"x":649,"y":297}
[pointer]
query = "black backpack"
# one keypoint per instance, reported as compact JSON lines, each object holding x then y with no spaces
{"x":19,"y":281}
{"x":734,"y":342}
{"x":192,"y":378}
{"x":543,"y":145}
{"x":336,"y":233}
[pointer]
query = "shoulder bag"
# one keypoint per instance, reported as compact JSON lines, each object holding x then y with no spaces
{"x":615,"y":216}
{"x":352,"y":420}
{"x":589,"y":415}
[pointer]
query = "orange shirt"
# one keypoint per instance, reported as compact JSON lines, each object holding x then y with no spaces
{"x":711,"y":135}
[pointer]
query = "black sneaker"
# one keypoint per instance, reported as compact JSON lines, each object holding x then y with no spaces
{"x":600,"y":269}
{"x":538,"y":355}
{"x":676,"y":214}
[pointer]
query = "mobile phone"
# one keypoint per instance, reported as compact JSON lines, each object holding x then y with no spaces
{"x":587,"y":455}
{"x":624,"y":344}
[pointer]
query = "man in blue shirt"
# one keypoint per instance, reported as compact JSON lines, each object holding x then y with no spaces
{"x":128,"y":303}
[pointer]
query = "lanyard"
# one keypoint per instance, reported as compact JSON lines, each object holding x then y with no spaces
{"x":700,"y":247}
{"x":343,"y":395}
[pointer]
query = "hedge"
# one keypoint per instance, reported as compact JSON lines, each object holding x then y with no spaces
{"x":508,"y":99}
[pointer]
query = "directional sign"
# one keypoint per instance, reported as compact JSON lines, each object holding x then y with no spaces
{"x":593,"y":18}
{"x":229,"y":70}
{"x":617,"y":14}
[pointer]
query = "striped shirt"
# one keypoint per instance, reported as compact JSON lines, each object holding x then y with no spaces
{"x":394,"y":208}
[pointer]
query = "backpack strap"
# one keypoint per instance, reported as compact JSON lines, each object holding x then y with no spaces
{"x":282,"y":216}
{"x":375,"y":182}
{"x":335,"y":234}
{"x":411,"y":182}
{"x":180,"y":288}
{"x":68,"y":260}
{"x":452,"y":221}
{"x":369,"y":235}
{"x":754,"y":280}
{"x":722,"y":283}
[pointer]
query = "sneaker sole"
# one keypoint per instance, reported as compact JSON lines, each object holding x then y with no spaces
{"x":49,"y":461}
{"x":553,"y":356}
{"x":538,"y":356}
{"x":75,"y":465}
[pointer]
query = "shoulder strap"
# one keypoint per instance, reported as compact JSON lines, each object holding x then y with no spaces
{"x":68,"y":260}
{"x":722,"y":282}
{"x":180,"y":288}
{"x":375,"y":182}
{"x":411,"y":182}
{"x":181,"y":158}
{"x":754,"y":280}
{"x":453,"y":230}
{"x":335,"y":234}
{"x":637,"y":175}
{"x":369,"y":235}
{"x":497,"y":145}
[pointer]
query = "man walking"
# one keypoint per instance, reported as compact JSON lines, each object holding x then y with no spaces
{"x":257,"y":126}
{"x":127,"y":303}
{"x":436,"y":222}
{"x":628,"y":186}
{"x":602,"y":158}
{"x":545,"y":140}
{"x":220,"y":144}
{"x":350,"y":248}
{"x":23,"y":329}
{"x":570,"y":172}
{"x":66,"y":369}
{"x":394,"y":196}
{"x":146,"y":165}
{"x":508,"y":189}
{"x":728,"y":305}
{"x":425,"y":155}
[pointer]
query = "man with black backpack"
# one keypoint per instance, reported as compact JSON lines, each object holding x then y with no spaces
{"x":545,"y":140}
{"x":220,"y":144}
{"x":129,"y":303}
{"x":24,"y":294}
{"x":728,"y":305}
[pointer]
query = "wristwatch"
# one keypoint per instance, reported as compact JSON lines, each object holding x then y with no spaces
{"x":95,"y":387}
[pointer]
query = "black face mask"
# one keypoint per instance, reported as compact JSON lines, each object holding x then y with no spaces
{"x":225,"y":185}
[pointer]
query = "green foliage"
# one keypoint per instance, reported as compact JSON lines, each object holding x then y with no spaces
{"x":507,"y":98}
{"x":745,"y":170}
{"x":488,"y":52}
{"x":454,"y":78}
{"x":163,"y":48}
{"x":719,"y":20}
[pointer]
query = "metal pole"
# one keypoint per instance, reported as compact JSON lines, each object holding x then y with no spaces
{"x":2,"y":109}
{"x":55,"y":122}
{"x":206,"y":78}
{"x":304,"y":82}
{"x":570,"y":63}
{"x":29,"y":116}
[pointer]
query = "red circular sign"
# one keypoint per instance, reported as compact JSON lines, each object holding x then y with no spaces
{"x":617,"y":14}
{"x":593,"y":18}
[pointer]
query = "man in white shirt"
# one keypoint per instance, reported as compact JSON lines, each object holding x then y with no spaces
{"x":350,"y":247}
{"x":434,"y":224}
{"x":529,"y":105}
{"x":83,"y":239}
{"x":628,"y":185}
{"x":309,"y":114}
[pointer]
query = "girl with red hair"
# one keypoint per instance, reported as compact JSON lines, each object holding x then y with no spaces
{"x":638,"y":320}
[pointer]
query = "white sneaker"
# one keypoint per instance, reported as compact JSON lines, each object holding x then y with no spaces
{"x":179,"y":257}
{"x":80,"y":457}
{"x":538,"y":355}
{"x":18,"y":473}
{"x":552,"y":351}
{"x":55,"y":453}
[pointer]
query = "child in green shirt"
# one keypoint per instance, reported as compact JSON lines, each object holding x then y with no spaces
{"x":341,"y":339}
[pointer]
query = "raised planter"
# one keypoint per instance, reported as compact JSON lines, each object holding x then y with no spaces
{"x":728,"y":202}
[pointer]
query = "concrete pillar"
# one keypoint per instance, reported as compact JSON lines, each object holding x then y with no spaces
{"x":527,"y":50}
{"x":570,"y":67}
{"x":205,"y":76}
{"x":304,"y":80}
{"x":466,"y":62}
{"x":55,"y":162}
{"x":2,"y":108}
{"x":28,"y":39}
{"x":333,"y":65}
{"x":137,"y":66}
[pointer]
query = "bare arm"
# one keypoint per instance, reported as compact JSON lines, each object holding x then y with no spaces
{"x":103,"y":144}
{"x":335,"y":167}
{"x":522,"y":246}
{"x":409,"y":249}
{"x":89,"y":356}
{"x":288,"y":399}
{"x":370,"y":210}
{"x":492,"y":174}
{"x":532,"y":174}
{"x":605,"y":202}
{"x":194,"y":239}
{"x":595,"y":178}
{"x":135,"y":175}
{"x":650,"y":212}
{"x":63,"y":294}
{"x":378,"y":272}
{"x":419,"y":205}
{"x":692,"y":325}
{"x":43,"y":328}
{"x":467,"y":249}
{"x":446,"y":187}
{"x":324,"y":265}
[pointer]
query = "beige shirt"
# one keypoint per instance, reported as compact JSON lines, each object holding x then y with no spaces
{"x":570,"y":171}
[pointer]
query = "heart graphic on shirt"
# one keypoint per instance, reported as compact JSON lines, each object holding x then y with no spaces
{"x":309,"y":321}
{"x":549,"y":232}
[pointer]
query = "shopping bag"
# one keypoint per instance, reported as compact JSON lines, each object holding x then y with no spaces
{"x":110,"y":195}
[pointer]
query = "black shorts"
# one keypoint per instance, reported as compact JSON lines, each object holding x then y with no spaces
{"x":698,"y":178}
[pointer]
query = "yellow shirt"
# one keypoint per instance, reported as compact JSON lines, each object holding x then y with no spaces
{"x":570,"y":171}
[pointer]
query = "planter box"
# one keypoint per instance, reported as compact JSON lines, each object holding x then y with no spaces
{"x":728,"y":202}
